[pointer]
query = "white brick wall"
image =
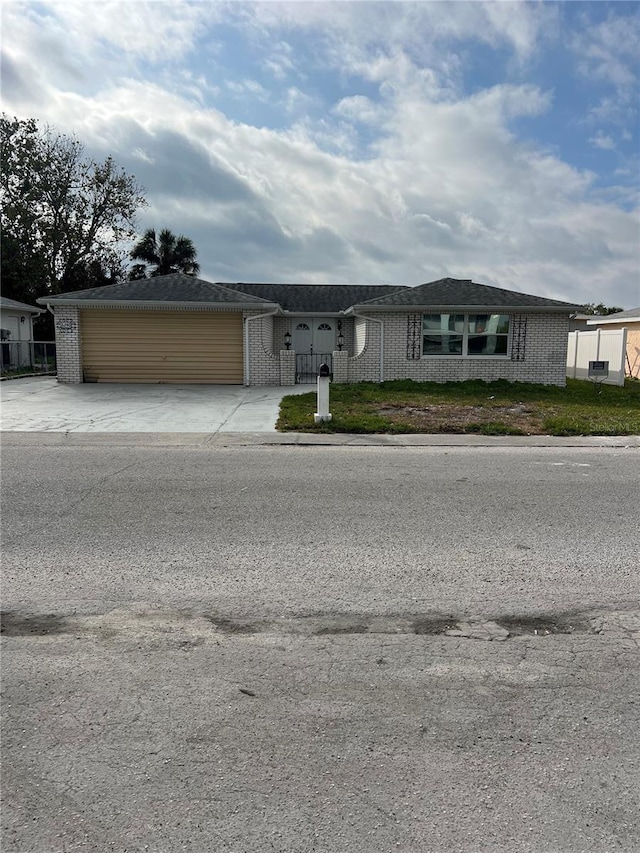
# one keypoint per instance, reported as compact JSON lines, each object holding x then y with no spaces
{"x":287,"y":367}
{"x":264,"y":364}
{"x":68,"y":344}
{"x":270,"y":363}
{"x":348,"y":333}
{"x":340,"y":367}
{"x":281,"y":325}
{"x":544,"y":356}
{"x":364,"y":366}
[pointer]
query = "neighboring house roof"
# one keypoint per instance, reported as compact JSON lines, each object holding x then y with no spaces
{"x":177,"y":288}
{"x":12,"y":305}
{"x":630,"y":316}
{"x":455,"y":293}
{"x":317,"y":298}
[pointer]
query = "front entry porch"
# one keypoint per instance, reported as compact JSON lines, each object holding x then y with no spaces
{"x":314,"y":340}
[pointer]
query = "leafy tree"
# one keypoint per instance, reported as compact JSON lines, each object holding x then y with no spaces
{"x":164,"y":254}
{"x":63,"y":216}
{"x":600,"y":309}
{"x":23,"y":269}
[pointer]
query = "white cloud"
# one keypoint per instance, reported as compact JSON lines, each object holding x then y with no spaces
{"x":280,"y":62}
{"x":360,"y":109}
{"x":418,"y":26}
{"x":606,"y":54}
{"x":243,"y":88}
{"x":151,"y":30}
{"x":450,"y":192}
{"x":297,"y":101}
{"x":601,"y":140}
{"x":441,"y":184}
{"x":608,"y":51}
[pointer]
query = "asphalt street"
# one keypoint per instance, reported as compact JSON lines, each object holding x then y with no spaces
{"x":280,"y":648}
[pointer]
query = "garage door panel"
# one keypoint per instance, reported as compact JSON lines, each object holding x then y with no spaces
{"x":162,"y":346}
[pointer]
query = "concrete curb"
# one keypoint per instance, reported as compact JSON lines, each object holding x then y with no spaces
{"x":299,"y":439}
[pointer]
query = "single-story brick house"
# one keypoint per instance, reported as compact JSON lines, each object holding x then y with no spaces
{"x":629,"y":320}
{"x":178,"y":328}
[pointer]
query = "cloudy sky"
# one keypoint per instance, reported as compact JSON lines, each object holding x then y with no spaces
{"x":367,"y":142}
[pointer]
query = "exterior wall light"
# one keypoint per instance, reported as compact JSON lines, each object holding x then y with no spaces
{"x":287,"y":340}
{"x":340,"y":341}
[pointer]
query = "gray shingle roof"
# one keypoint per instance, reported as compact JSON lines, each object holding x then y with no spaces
{"x":458,"y":293}
{"x":18,"y":306}
{"x":177,"y":287}
{"x":316,"y":298}
{"x":310,"y":298}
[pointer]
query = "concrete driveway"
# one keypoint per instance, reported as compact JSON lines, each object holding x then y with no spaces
{"x":41,"y":404}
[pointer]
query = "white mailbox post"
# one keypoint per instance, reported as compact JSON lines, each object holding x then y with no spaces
{"x":323,"y":414}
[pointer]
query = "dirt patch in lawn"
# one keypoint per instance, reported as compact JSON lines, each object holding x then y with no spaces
{"x":446,"y":417}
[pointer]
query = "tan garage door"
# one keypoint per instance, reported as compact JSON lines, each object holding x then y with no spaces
{"x":162,"y":346}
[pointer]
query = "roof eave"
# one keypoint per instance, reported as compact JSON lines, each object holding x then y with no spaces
{"x":147,"y":303}
{"x":24,"y":310}
{"x":300,"y":312}
{"x":603,"y":320}
{"x":502,"y":309}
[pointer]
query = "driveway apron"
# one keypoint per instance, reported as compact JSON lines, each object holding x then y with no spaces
{"x":41,"y":404}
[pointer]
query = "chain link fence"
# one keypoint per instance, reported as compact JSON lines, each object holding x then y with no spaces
{"x":27,"y":357}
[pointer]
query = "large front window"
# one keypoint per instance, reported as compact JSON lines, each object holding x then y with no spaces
{"x":473,"y":335}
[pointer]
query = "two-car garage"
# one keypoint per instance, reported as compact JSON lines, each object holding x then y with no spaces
{"x":145,"y":345}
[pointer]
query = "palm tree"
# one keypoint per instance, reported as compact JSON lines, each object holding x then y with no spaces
{"x":165,"y":255}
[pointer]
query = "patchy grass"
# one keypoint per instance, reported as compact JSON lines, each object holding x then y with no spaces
{"x":488,"y":408}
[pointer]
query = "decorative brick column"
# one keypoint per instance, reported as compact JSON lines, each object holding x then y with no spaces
{"x":287,"y":367}
{"x":68,"y":344}
{"x":340,"y":367}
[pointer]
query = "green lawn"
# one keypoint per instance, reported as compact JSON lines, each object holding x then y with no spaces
{"x":489,"y":408}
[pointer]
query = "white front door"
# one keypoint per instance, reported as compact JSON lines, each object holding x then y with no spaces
{"x":314,"y":335}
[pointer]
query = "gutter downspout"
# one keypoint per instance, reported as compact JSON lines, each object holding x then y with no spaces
{"x":381,"y":322}
{"x":247,"y":370}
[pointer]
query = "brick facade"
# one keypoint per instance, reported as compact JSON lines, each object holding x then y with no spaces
{"x":263,"y":363}
{"x":340,"y":367}
{"x":281,"y":325}
{"x":68,"y":344}
{"x":287,"y":367}
{"x":364,"y":364}
{"x":347,"y":327}
{"x":538,"y":352}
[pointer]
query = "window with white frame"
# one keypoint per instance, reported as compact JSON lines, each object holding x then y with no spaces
{"x":466,"y":335}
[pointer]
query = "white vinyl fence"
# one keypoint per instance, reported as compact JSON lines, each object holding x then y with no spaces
{"x":600,"y":345}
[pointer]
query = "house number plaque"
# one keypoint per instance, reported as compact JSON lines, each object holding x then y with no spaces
{"x":66,"y":325}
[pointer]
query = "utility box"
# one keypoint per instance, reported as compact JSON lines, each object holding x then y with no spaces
{"x":598,"y":369}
